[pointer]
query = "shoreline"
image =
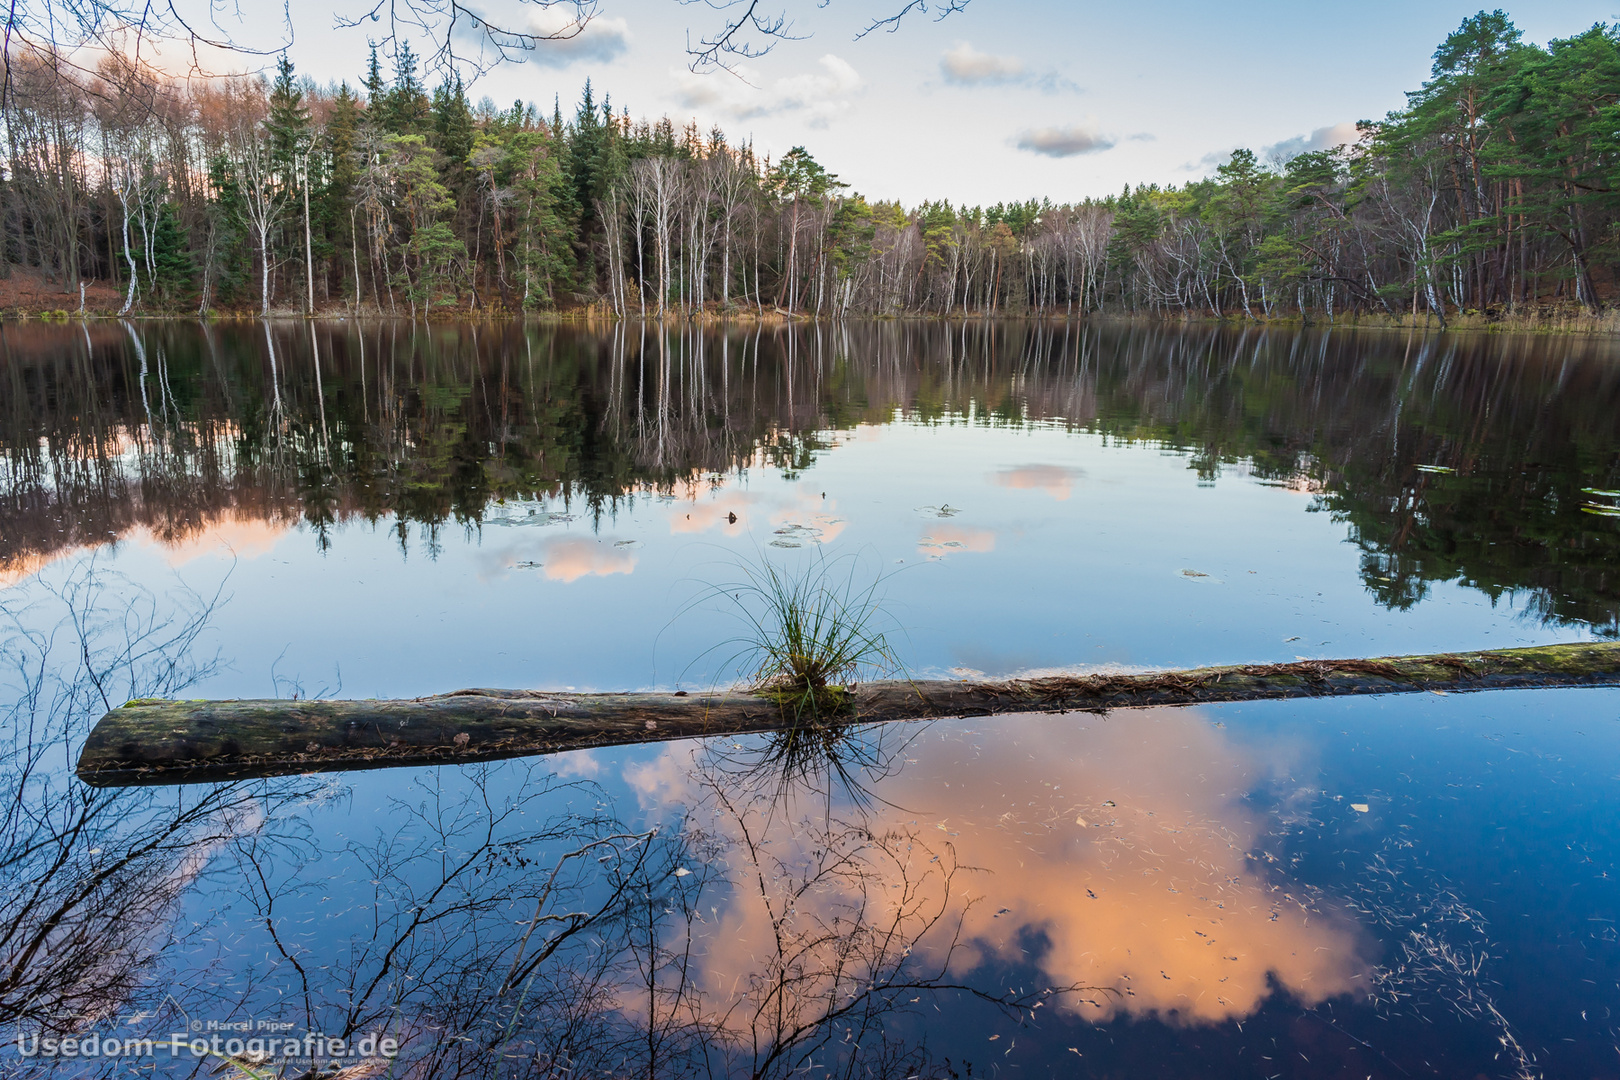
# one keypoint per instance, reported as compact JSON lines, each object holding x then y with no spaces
{"x":1556,"y":322}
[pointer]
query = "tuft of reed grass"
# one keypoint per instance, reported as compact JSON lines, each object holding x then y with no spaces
{"x":810,"y":635}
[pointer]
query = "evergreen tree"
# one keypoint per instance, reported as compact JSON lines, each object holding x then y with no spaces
{"x":288,"y":123}
{"x":405,"y":107}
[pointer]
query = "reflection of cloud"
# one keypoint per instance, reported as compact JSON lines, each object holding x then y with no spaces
{"x":1064,"y":141}
{"x":796,"y":525}
{"x":562,"y":559}
{"x":1123,"y":847}
{"x":1056,"y":480}
{"x":19,"y":567}
{"x":941,"y":540}
{"x":805,"y":518}
{"x":570,"y":560}
{"x":600,"y":39}
{"x":577,"y":763}
{"x":695,"y":517}
{"x":821,"y":94}
{"x":243,"y":537}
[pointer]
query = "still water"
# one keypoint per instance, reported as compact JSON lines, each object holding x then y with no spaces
{"x":1415,"y":886}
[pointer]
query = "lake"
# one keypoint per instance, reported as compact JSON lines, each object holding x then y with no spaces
{"x":1402,"y":886}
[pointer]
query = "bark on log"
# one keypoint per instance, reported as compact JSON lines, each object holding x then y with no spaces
{"x":168,"y":742}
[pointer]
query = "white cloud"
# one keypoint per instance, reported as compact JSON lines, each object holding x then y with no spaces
{"x":966,"y":66}
{"x":1060,"y":142}
{"x":600,"y":39}
{"x":963,"y":65}
{"x":1323,"y":138}
{"x":821,"y":94}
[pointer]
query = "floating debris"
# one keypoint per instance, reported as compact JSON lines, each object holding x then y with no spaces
{"x":796,"y":534}
{"x":528,"y":514}
{"x":1361,"y":808}
{"x":1436,"y":469}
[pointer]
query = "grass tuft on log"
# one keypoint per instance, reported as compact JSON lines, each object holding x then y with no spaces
{"x":810,"y":636}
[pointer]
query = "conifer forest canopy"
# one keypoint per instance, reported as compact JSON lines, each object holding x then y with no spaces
{"x":1491,"y":192}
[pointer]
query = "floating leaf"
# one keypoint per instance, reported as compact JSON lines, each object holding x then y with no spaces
{"x":1360,"y":807}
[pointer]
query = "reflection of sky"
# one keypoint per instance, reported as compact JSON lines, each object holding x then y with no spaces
{"x":1487,"y":836}
{"x":1122,"y":846}
{"x":986,"y":567}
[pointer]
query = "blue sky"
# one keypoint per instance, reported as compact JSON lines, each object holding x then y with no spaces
{"x":1008,"y":99}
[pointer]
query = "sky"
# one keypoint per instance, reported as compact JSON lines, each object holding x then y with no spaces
{"x":1004,"y":100}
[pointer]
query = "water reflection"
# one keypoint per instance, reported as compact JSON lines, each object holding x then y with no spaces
{"x":1448,"y":458}
{"x":900,"y":900}
{"x":1122,"y":857}
{"x":92,"y":881}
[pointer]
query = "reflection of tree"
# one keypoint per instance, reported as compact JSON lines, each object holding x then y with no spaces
{"x":429,"y":426}
{"x":94,"y":877}
{"x":835,"y":928}
{"x":475,"y":941}
{"x":501,"y":921}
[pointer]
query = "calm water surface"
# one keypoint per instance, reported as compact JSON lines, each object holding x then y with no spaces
{"x":1415,"y":886}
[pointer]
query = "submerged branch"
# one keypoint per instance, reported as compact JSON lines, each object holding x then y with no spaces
{"x":167,"y":742}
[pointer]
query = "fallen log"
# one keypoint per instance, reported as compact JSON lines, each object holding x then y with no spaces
{"x":167,"y":742}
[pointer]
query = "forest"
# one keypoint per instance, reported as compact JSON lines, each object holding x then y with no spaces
{"x":1491,"y":193}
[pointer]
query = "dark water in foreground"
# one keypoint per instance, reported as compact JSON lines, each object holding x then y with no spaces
{"x":1415,"y":886}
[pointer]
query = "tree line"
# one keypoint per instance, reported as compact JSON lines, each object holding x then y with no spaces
{"x":1490,"y":191}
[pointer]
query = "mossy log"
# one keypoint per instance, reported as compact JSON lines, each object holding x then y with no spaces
{"x":165,"y":742}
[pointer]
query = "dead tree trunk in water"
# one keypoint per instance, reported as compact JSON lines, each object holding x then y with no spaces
{"x":166,"y":742}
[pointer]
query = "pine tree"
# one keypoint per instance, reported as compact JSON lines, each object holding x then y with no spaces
{"x":174,"y":277}
{"x":405,"y":107}
{"x":288,"y":123}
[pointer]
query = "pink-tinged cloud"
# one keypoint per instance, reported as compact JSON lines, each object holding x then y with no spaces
{"x":27,"y":565}
{"x":564,"y":559}
{"x":1056,"y":480}
{"x":242,"y":537}
{"x":570,"y":560}
{"x":944,"y":539}
{"x":695,"y":516}
{"x":1124,"y":848}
